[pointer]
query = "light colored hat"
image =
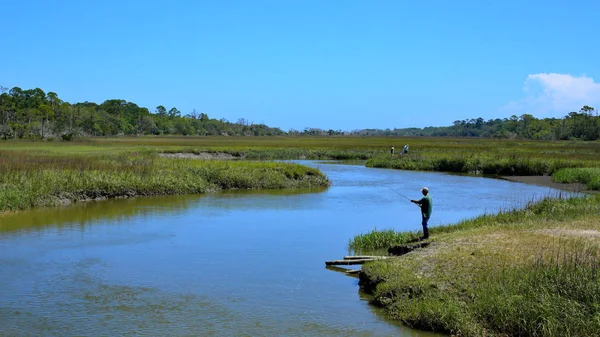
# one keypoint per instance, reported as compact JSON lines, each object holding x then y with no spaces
{"x":425,"y":189}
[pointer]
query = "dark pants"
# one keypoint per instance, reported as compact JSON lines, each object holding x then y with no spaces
{"x":425,"y":229}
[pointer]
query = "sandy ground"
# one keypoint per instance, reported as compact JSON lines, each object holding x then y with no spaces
{"x":547,"y":181}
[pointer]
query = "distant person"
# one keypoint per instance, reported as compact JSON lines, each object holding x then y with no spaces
{"x":392,"y":150}
{"x":426,"y":206}
{"x":406,"y":149}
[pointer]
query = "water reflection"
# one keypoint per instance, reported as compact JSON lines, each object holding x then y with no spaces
{"x":119,"y":210}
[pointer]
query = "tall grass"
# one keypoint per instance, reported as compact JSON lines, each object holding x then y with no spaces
{"x":551,"y":296}
{"x":259,"y":153}
{"x":29,"y":180}
{"x":477,"y":163}
{"x":557,"y":295}
{"x":342,"y":147}
{"x":380,"y":239}
{"x":543,"y":210}
{"x":589,"y":176}
{"x":510,"y":274}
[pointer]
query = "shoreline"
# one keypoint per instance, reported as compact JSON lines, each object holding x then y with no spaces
{"x":501,"y":261}
{"x":546,"y":181}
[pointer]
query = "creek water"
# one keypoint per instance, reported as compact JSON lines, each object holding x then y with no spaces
{"x":230,"y":264}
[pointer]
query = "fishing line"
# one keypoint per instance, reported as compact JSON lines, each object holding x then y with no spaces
{"x":407,"y":198}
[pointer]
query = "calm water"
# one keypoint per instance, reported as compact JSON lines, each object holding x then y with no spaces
{"x":236,"y":264}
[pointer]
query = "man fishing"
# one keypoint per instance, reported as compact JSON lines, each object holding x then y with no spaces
{"x":426,"y":206}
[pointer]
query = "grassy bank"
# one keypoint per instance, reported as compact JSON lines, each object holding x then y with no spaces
{"x":31,"y":179}
{"x":590,"y":176}
{"x":480,"y":163}
{"x":529,"y":272}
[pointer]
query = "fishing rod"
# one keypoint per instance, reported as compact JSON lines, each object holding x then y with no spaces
{"x":407,"y":198}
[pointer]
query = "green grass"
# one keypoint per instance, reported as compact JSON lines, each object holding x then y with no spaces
{"x":28,"y":180}
{"x":589,"y":176}
{"x":378,"y":240}
{"x":556,"y":295}
{"x":323,"y":147}
{"x":284,"y":153}
{"x":529,"y":272}
{"x":478,"y":163}
{"x":545,"y":209}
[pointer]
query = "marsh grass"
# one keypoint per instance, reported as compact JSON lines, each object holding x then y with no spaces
{"x":377,"y":240}
{"x":529,"y":272}
{"x":589,"y":176}
{"x":285,"y":153}
{"x":549,"y":208}
{"x":556,"y":295}
{"x":342,"y":147}
{"x":478,"y":163}
{"x":28,"y":179}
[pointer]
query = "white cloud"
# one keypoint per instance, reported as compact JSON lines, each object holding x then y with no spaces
{"x":555,"y":95}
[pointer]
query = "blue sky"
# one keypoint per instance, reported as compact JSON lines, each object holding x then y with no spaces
{"x":339,"y":64}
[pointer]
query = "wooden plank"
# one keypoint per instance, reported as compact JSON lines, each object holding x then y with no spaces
{"x":347,"y":262}
{"x":362,"y":257}
{"x":345,"y":271}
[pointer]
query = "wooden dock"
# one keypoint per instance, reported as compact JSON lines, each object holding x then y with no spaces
{"x":354,"y":260}
{"x":393,"y":252}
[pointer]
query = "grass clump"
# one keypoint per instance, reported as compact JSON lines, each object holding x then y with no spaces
{"x":380,"y":239}
{"x":529,"y":272}
{"x":588,"y":175}
{"x":557,"y":295}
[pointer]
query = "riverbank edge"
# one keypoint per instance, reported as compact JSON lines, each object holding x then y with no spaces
{"x":305,"y":179}
{"x":546,"y":181}
{"x":201,"y":155}
{"x":368,"y":281}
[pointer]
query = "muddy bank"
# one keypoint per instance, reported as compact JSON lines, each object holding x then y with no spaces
{"x":201,"y":155}
{"x":547,"y":182}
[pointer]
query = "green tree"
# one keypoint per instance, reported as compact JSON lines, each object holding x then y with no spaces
{"x":174,"y":113}
{"x":161,"y":111}
{"x":46,"y":113}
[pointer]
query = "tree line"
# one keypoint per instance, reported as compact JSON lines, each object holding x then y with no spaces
{"x":583,"y":124}
{"x":34,"y":114}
